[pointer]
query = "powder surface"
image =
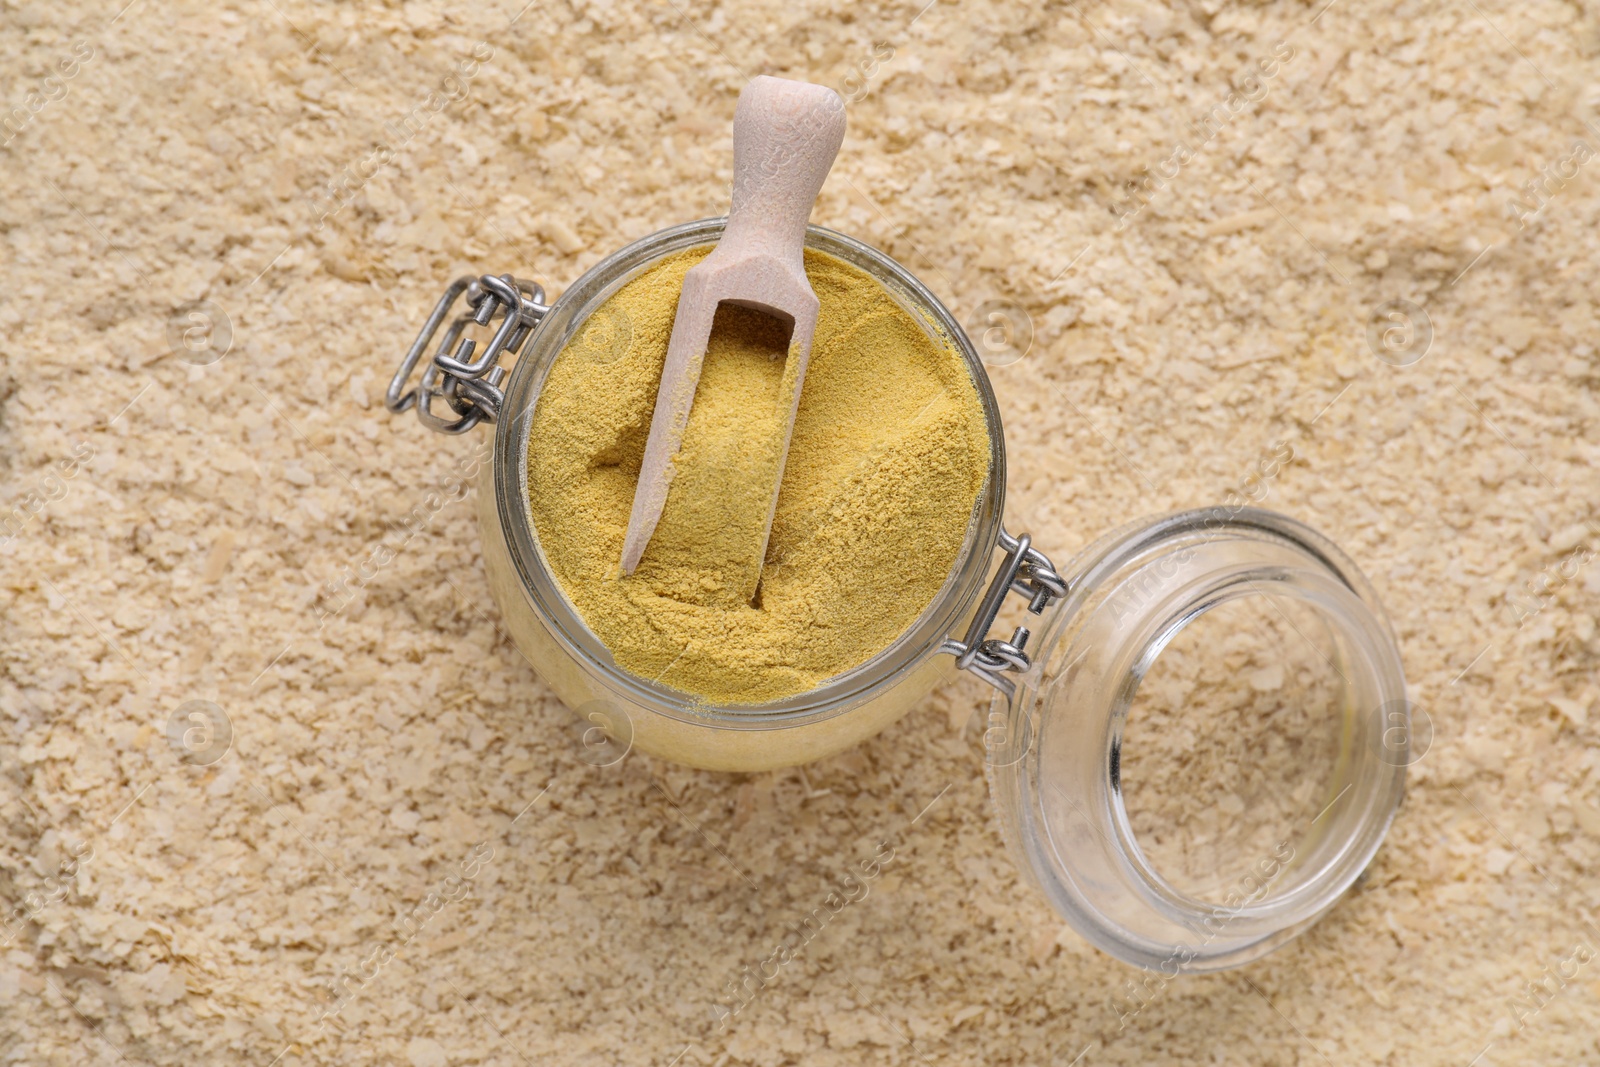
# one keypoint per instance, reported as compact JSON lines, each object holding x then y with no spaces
{"x":889,"y":452}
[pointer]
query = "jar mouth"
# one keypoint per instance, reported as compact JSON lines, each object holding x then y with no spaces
{"x":943,"y":615}
{"x":1063,"y":794}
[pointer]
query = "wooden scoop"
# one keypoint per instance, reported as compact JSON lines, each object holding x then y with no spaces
{"x":785,"y":137}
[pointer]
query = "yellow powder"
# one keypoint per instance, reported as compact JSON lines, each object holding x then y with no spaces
{"x":889,"y":452}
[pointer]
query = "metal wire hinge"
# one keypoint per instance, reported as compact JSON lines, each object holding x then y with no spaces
{"x":1029,"y":572}
{"x":470,"y":386}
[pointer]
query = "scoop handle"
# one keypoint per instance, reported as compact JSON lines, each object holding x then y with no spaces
{"x":785,"y":137}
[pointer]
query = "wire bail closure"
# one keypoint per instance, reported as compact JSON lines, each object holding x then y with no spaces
{"x":1025,"y":571}
{"x":470,"y":386}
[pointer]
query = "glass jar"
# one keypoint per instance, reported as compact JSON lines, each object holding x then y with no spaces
{"x":640,"y":713}
{"x":1057,"y":761}
{"x":1055,"y":752}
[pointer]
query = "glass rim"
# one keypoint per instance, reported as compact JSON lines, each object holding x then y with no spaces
{"x":942,"y":617}
{"x":1215,"y":935}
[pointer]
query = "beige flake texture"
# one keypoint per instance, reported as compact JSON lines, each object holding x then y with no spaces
{"x":275,"y":787}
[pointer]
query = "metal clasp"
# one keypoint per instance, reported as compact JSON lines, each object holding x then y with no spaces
{"x":470,"y":386}
{"x":1029,"y":572}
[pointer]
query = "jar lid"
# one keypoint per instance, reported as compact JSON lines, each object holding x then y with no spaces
{"x":1257,"y":663}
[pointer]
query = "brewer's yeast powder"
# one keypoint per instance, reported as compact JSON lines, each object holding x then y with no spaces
{"x":889,"y":452}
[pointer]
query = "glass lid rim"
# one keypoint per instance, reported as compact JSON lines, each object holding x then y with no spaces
{"x":1023,"y":780}
{"x":1300,"y":891}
